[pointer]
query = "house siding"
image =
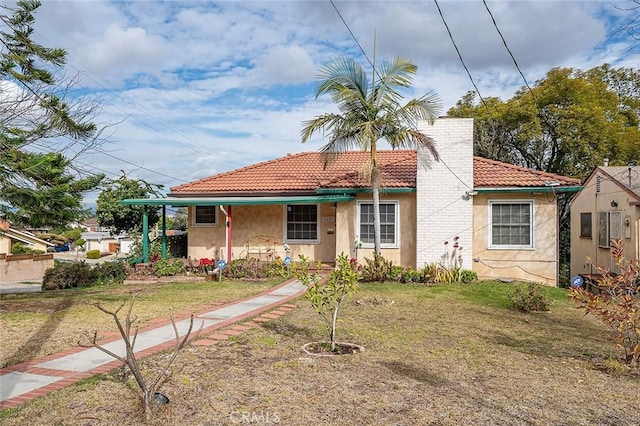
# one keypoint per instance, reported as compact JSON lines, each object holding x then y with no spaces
{"x":586,"y":255}
{"x":346,"y":227}
{"x":538,"y":264}
{"x":443,"y":209}
{"x":261,"y":220}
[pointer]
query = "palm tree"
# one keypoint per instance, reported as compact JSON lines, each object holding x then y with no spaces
{"x":370,"y":113}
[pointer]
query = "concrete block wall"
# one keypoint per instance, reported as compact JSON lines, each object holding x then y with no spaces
{"x":24,"y":267}
{"x":444,"y":210}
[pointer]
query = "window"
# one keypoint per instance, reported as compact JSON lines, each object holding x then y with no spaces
{"x":511,"y":224}
{"x":586,"y":229}
{"x":609,"y":227}
{"x":388,"y":223}
{"x":302,"y":222}
{"x":205,"y":215}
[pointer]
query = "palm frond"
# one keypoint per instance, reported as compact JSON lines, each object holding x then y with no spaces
{"x":397,"y":72}
{"x":345,"y":81}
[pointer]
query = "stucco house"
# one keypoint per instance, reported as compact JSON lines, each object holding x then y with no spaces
{"x":503,"y":218}
{"x":10,"y":236}
{"x":607,"y":208}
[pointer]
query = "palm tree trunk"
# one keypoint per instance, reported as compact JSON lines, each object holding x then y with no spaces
{"x":375,"y":188}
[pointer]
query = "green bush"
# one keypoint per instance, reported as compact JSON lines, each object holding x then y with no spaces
{"x":376,"y":269}
{"x":243,"y":268}
{"x":274,"y":269}
{"x":19,"y":248}
{"x":168,"y":267}
{"x":80,"y":274}
{"x":529,"y":299}
{"x":108,"y":273}
{"x":93,"y":254}
{"x":468,"y":276}
{"x":80,"y":242}
{"x":68,"y":275}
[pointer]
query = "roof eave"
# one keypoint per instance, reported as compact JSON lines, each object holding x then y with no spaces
{"x":363,"y":190}
{"x":236,"y":201}
{"x":511,"y":189}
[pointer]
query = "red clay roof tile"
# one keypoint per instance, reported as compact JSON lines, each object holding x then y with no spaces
{"x":496,"y":174}
{"x":306,"y":172}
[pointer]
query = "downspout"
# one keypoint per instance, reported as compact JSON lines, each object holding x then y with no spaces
{"x":164,"y":232}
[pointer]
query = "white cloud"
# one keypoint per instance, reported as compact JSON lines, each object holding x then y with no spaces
{"x":202,"y":87}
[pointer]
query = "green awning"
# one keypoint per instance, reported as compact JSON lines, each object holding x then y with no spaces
{"x":235,"y":201}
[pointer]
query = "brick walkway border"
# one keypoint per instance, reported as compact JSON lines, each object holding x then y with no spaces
{"x":208,"y":336}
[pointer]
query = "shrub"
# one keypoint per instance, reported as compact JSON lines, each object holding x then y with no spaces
{"x":617,"y":304}
{"x":19,"y":248}
{"x":80,"y":242}
{"x":529,"y":299}
{"x":68,"y":275}
{"x":468,"y":276}
{"x":243,"y":268}
{"x":93,"y":254}
{"x":376,"y":269}
{"x":168,"y":267}
{"x":326,"y":298}
{"x":274,"y":269}
{"x":108,"y":273}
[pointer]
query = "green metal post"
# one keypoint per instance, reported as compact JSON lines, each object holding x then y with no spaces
{"x":164,"y":232}
{"x":145,"y":236}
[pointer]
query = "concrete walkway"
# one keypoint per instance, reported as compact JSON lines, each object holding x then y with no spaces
{"x":23,"y":382}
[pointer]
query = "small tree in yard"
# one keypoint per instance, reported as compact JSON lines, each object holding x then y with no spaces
{"x":617,"y":304}
{"x":326,"y":298}
{"x":149,"y":389}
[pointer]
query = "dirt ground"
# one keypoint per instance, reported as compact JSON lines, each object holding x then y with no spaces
{"x":431,"y":357}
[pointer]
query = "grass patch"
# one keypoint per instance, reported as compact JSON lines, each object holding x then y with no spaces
{"x":449,"y":354}
{"x":38,"y":324}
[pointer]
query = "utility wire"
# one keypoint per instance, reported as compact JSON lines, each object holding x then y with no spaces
{"x":459,"y":54}
{"x":495,"y":24}
{"x":374,"y":69}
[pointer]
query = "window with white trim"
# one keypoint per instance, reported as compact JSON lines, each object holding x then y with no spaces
{"x":205,"y":215}
{"x":389,"y":215}
{"x":302,"y":223}
{"x":511,"y":224}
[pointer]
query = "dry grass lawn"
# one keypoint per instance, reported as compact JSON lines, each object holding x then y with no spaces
{"x":444,"y":355}
{"x":38,"y":324}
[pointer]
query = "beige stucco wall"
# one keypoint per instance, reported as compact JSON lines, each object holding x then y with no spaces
{"x":589,"y":201}
{"x":539,"y":264}
{"x":337,"y":232}
{"x":264,"y":220}
{"x":404,"y":254}
{"x":5,"y":244}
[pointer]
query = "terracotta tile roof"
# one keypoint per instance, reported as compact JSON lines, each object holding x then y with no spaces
{"x":496,"y":174}
{"x":305,"y":173}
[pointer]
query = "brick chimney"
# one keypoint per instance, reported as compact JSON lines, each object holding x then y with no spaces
{"x":4,"y":225}
{"x":444,"y":198}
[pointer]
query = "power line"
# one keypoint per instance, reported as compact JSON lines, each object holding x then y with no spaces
{"x":459,"y":54}
{"x":354,"y":38}
{"x":495,"y":24}
{"x":374,"y":69}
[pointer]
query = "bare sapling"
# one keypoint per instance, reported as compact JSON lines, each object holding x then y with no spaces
{"x":148,"y":388}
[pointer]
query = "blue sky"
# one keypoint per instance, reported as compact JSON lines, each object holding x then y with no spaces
{"x":194,"y":88}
